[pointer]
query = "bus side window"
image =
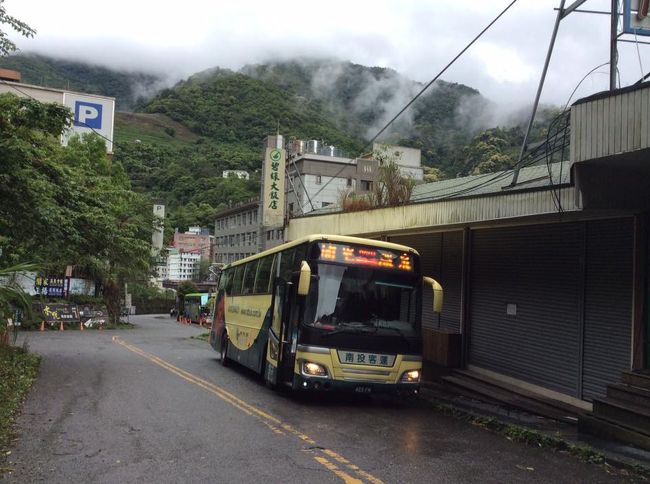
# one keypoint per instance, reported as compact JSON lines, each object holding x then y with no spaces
{"x":299,"y":255}
{"x":249,"y":278}
{"x":274,"y":270}
{"x":286,"y":264}
{"x":237,"y":280}
{"x":225,"y":281}
{"x":263,"y":275}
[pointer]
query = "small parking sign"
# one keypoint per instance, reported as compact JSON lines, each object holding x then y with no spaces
{"x":88,"y":115}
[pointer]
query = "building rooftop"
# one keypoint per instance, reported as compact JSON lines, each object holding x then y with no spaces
{"x":532,"y":177}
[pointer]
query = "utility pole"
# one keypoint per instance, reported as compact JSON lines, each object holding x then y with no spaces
{"x":549,"y":53}
{"x":613,"y":48}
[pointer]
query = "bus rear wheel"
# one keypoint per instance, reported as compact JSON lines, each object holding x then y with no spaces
{"x":225,"y":361}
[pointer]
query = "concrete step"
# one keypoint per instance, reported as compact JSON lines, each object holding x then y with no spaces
{"x":560,"y":407}
{"x":485,"y":391}
{"x":600,"y":427}
{"x":634,"y":417}
{"x":629,"y":394}
{"x":640,"y":379}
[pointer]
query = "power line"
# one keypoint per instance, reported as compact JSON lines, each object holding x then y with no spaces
{"x":462,"y":51}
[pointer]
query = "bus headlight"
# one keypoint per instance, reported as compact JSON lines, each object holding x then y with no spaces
{"x":313,"y":369}
{"x":412,"y":376}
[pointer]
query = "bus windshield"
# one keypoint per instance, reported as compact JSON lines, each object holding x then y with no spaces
{"x":346,"y":298}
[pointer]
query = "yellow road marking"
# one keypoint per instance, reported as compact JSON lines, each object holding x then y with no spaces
{"x":273,"y":423}
{"x":351,"y":466}
{"x":347,"y":478}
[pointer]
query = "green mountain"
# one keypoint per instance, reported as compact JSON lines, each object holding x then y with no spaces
{"x":127,"y":87}
{"x":178,"y":142}
{"x":361,"y":100}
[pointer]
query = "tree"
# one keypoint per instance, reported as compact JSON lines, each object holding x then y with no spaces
{"x":203,"y":270}
{"x":6,"y":45}
{"x":391,"y":187}
{"x":68,"y":205}
{"x":12,"y":296}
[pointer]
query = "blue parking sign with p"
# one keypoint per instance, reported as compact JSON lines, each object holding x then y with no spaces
{"x":88,"y":115}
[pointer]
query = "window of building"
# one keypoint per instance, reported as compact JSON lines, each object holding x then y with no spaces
{"x":255,"y":216}
{"x":319,"y":180}
{"x":326,"y":204}
{"x":250,"y":218}
{"x":349,"y":182}
{"x":268,"y":235}
{"x":366,"y":185}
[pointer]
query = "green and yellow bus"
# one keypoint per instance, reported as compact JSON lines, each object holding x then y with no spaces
{"x":196,"y":306}
{"x":326,"y":312}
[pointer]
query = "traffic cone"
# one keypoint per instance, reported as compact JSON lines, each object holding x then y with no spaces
{"x":61,"y":326}
{"x":81,"y":326}
{"x":42,"y":328}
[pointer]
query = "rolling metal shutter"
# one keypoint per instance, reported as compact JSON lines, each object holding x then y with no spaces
{"x":429,"y":247}
{"x":608,"y":304}
{"x":534,"y":271}
{"x":451,"y":277}
{"x":441,"y":257}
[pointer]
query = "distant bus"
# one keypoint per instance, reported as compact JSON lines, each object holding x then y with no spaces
{"x":195,"y":306}
{"x":326,"y":313}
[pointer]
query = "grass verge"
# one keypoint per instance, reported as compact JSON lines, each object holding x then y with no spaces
{"x":202,"y":336}
{"x":18,"y":370}
{"x":534,"y":438}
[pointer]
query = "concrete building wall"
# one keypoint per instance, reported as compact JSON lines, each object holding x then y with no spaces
{"x":237,"y":233}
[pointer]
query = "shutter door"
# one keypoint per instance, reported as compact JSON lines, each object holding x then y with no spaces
{"x":429,"y":247}
{"x":536,"y":268}
{"x":608,"y":304}
{"x":441,"y":257}
{"x":451,"y":276}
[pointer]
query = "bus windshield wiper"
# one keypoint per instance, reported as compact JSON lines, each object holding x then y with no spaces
{"x":399,"y":331}
{"x":343,"y":328}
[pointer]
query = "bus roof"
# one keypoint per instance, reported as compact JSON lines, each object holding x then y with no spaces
{"x":329,"y":238}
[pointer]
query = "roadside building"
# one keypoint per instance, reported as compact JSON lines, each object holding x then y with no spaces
{"x":314,"y":178}
{"x":91,"y":112}
{"x":237,"y":231}
{"x":196,"y":240}
{"x":182,"y":266}
{"x":545,"y":279}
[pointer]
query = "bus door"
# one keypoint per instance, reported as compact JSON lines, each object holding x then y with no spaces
{"x":277,"y":336}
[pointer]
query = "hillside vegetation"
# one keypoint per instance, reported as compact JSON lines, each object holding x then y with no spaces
{"x":126,"y":87}
{"x":178,"y":142}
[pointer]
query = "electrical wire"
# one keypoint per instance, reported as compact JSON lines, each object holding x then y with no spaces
{"x":369,"y":144}
{"x":638,"y":52}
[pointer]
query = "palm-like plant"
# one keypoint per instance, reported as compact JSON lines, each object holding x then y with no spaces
{"x":12,"y":296}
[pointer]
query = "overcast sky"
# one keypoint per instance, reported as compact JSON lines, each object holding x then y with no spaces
{"x":416,"y":37}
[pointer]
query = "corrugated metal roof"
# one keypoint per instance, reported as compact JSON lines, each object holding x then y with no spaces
{"x":494,"y":183}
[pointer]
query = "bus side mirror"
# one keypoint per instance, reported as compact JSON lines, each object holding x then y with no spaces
{"x":437,"y":293}
{"x":305,"y":279}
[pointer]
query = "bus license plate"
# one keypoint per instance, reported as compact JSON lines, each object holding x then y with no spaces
{"x":363,"y":389}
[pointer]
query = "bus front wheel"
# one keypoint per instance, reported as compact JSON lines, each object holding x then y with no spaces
{"x":224,"y":351}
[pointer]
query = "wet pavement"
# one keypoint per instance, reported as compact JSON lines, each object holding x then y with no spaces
{"x":154,"y":405}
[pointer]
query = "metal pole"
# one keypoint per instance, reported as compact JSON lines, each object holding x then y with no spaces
{"x":613,"y":50}
{"x":539,"y":92}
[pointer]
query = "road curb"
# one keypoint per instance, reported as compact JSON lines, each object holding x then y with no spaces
{"x":533,"y":437}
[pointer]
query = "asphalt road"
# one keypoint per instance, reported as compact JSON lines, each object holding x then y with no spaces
{"x":153,"y":405}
